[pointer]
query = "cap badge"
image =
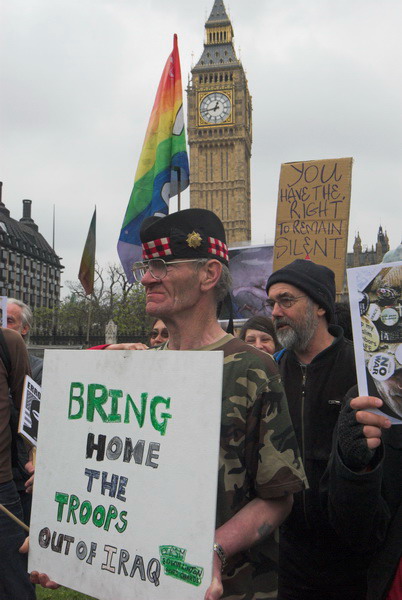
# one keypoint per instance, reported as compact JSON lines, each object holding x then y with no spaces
{"x":194,"y":239}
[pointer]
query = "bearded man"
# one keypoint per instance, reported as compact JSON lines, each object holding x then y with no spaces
{"x":318,"y":369}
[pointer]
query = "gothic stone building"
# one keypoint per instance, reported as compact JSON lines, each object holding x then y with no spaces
{"x":363,"y":256}
{"x":29,"y":268}
{"x":220,"y":130}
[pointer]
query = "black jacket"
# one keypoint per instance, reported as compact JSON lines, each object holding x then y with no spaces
{"x":366,"y":508}
{"x":311,"y":551}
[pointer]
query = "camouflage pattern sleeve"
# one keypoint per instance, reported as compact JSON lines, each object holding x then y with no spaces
{"x":280,"y":470}
{"x":259,"y":455}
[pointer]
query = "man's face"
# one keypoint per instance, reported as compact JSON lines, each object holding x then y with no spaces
{"x":175,"y":293}
{"x":295,"y":326}
{"x":391,"y":391}
{"x":14,"y":319}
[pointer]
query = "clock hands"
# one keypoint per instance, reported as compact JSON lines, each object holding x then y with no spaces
{"x":214,"y":108}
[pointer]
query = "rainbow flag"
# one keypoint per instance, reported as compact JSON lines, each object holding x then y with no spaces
{"x":87,"y":267}
{"x":163,"y":166}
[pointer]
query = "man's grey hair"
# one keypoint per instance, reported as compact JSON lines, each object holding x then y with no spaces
{"x":224,"y":284}
{"x":26,"y":312}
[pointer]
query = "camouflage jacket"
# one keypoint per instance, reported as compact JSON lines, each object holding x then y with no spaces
{"x":259,"y":457}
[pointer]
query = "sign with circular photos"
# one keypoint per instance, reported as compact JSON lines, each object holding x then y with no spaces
{"x":387,"y":295}
{"x":364,"y":302}
{"x":374,"y":312}
{"x":371,"y":337}
{"x":389,"y":317}
{"x":398,"y":354}
{"x":381,"y":366}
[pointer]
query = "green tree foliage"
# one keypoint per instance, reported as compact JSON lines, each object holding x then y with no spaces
{"x":113,"y":298}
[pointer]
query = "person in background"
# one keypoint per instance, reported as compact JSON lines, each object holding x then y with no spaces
{"x":14,"y":365}
{"x":364,"y":490}
{"x":259,"y":332}
{"x":344,"y":319}
{"x":318,"y":369}
{"x":159,"y":333}
{"x":19,"y":318}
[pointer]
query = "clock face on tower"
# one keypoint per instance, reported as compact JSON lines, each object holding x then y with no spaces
{"x":215,"y":108}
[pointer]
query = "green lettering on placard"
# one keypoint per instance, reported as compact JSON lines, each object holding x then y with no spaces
{"x":62,"y":499}
{"x":114,"y":417}
{"x":72,"y":507}
{"x":85,"y":512}
{"x":140,"y":416}
{"x":123,"y":526}
{"x":76,"y":386}
{"x":99,"y":515}
{"x":97,"y":396}
{"x":111,"y":514}
{"x":159,"y":425}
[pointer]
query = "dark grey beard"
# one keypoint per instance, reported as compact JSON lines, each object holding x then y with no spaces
{"x":299,"y":335}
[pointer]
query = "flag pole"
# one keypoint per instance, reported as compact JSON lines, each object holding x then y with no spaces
{"x":89,"y":319}
{"x":178,"y":171}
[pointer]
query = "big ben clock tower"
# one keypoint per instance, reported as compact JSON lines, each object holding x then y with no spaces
{"x":219,"y":130}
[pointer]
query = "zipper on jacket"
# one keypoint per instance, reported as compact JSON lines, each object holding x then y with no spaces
{"x":303,"y":448}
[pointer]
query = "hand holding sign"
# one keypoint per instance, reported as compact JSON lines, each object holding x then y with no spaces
{"x":373,"y":423}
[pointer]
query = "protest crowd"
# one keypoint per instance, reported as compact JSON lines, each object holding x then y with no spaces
{"x":299,"y":453}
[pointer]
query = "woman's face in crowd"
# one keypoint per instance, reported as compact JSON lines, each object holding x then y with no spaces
{"x":159,"y":334}
{"x":261,"y":340}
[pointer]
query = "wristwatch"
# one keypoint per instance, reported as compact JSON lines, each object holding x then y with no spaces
{"x":221,"y":554}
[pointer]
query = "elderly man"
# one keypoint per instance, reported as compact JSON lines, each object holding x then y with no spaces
{"x":318,"y":369}
{"x":19,"y":318}
{"x":185,"y":274}
{"x":14,"y":364}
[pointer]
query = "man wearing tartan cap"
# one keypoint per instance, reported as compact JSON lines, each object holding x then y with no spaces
{"x":185,"y":274}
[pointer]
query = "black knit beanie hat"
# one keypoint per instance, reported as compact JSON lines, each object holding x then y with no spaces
{"x":316,"y":280}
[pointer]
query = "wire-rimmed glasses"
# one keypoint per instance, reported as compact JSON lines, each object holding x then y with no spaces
{"x":284,"y":301}
{"x":156,"y":266}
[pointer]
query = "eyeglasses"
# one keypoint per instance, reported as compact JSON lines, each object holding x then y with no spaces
{"x":156,"y":266}
{"x":284,"y":302}
{"x":154,"y":334}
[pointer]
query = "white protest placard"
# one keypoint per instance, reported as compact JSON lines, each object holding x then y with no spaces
{"x":126,"y":477}
{"x":375,"y":296}
{"x":29,"y":411}
{"x":3,"y":311}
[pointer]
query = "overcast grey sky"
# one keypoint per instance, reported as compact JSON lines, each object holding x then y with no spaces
{"x":79,"y":77}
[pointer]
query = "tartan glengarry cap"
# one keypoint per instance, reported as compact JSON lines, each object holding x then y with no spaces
{"x":190,"y":233}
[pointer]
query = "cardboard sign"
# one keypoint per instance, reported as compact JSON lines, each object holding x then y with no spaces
{"x":375,"y":295}
{"x":29,"y":412}
{"x":126,"y":478}
{"x":3,"y":311}
{"x":313,"y":214}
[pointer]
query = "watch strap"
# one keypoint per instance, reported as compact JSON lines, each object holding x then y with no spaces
{"x":221,"y":554}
